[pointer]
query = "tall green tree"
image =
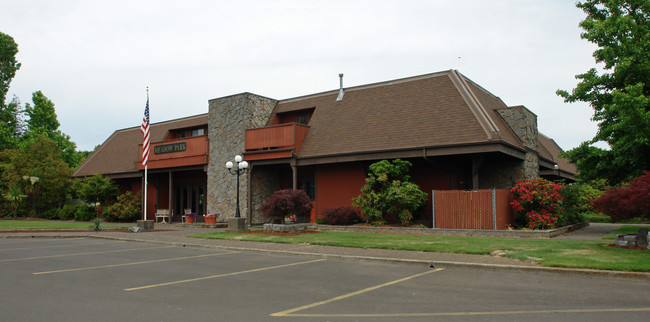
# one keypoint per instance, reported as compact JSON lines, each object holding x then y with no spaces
{"x":8,"y":64}
{"x":42,"y":121}
{"x":11,"y":116}
{"x":620,"y":94}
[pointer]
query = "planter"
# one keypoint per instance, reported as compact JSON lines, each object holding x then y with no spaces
{"x":210,"y":220}
{"x":189,"y":219}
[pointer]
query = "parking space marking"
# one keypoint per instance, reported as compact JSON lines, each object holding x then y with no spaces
{"x":344,"y":296}
{"x":221,"y":275}
{"x":51,"y":246}
{"x":389,"y":315}
{"x":79,"y":254}
{"x":134,"y":263}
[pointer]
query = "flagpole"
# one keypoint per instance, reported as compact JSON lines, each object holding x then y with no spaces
{"x":144,"y":128}
{"x":146,"y":183}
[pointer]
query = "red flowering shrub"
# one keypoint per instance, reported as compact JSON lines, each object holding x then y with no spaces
{"x":538,"y":203}
{"x":629,"y":201}
{"x":285,"y":203}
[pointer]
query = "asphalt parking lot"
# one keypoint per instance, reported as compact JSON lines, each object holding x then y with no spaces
{"x":87,"y":279}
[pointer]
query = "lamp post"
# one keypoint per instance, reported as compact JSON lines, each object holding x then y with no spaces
{"x":237,"y":169}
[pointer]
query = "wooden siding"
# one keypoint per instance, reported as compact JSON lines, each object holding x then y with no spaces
{"x":196,"y":153}
{"x":266,"y":142}
{"x":454,"y":209}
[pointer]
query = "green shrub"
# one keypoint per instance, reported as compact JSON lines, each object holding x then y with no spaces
{"x":126,"y":209}
{"x":96,"y":224}
{"x":68,"y":211}
{"x":596,"y":217}
{"x":389,"y":193}
{"x":341,"y":216}
{"x":84,"y":213}
{"x":51,"y":214}
{"x":577,"y":198}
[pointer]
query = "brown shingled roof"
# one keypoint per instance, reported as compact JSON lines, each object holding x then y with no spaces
{"x":439,"y":109}
{"x":118,"y":155}
{"x":549,"y":151}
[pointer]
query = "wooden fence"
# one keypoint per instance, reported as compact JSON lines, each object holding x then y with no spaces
{"x":479,"y":209}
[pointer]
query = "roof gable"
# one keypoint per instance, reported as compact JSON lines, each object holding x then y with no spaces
{"x":119,"y":153}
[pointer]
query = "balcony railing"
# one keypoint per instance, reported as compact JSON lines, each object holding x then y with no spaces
{"x":176,"y":153}
{"x":274,"y":142}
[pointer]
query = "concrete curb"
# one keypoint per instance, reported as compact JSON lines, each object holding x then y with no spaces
{"x":574,"y":271}
{"x":550,"y":233}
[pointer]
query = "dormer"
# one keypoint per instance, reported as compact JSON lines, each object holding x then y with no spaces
{"x":186,"y":133}
{"x":299,"y":116}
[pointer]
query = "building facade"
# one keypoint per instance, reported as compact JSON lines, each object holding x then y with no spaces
{"x":457,"y":135}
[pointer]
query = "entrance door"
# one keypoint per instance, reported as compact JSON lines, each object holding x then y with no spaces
{"x":190,"y":196}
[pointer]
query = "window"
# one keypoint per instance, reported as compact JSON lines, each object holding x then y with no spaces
{"x":198,"y":132}
{"x":303,"y":118}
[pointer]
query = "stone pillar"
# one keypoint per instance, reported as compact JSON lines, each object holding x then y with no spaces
{"x":228,"y":119}
{"x":523,"y":123}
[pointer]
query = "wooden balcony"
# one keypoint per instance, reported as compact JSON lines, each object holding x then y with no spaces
{"x":274,"y":142}
{"x":183,"y":152}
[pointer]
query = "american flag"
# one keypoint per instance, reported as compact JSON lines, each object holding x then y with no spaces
{"x":144,"y":128}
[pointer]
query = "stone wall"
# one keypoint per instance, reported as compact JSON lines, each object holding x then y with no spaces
{"x":502,"y":174}
{"x":524,"y":124}
{"x":228,"y":119}
{"x":264,"y":181}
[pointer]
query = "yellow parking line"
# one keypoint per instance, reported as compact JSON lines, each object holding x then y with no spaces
{"x":51,"y":246}
{"x":390,"y":315}
{"x":365,"y":290}
{"x":134,"y":263}
{"x":221,"y":275}
{"x":79,"y":254}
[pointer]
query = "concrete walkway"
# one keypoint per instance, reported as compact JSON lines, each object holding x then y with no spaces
{"x":176,"y":234}
{"x":595,"y":231}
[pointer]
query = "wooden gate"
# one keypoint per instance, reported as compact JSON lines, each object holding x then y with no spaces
{"x":479,"y":209}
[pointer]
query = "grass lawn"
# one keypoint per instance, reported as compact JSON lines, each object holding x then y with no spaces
{"x":47,"y":224}
{"x":547,"y":252}
{"x":626,"y":229}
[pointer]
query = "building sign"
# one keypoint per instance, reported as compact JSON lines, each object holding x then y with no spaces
{"x":170,"y":148}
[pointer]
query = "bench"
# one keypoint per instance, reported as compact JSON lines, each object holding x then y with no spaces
{"x":163,"y":213}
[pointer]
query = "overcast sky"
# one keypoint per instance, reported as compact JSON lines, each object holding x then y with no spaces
{"x":94,"y":59}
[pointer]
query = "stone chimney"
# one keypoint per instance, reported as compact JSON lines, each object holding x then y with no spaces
{"x":523,"y":123}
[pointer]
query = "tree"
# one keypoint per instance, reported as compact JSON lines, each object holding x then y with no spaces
{"x":43,"y":121}
{"x":8,"y":64}
{"x":620,"y":95}
{"x":96,"y":189}
{"x":41,"y":159}
{"x":388,"y":192}
{"x":11,"y":115}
